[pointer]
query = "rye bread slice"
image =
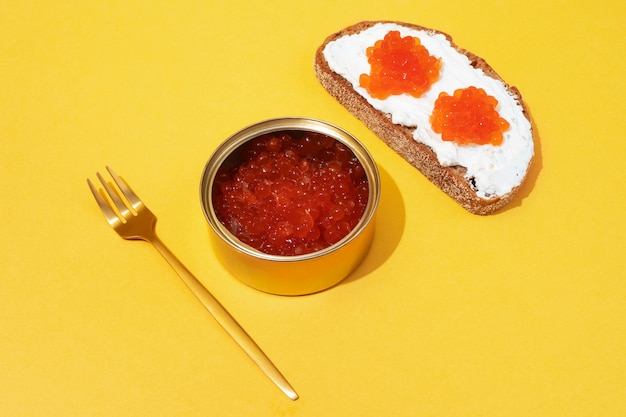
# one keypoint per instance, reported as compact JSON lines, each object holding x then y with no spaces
{"x":450,"y":179}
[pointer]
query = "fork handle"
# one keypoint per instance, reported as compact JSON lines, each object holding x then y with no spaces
{"x":223,"y":317}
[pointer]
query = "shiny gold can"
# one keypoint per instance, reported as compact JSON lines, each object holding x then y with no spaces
{"x":297,"y":274}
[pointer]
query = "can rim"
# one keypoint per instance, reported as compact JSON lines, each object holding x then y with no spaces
{"x":236,"y":140}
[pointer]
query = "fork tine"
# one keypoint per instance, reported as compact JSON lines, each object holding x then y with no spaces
{"x":132,"y":198}
{"x":106,"y":209}
{"x":122,"y":208}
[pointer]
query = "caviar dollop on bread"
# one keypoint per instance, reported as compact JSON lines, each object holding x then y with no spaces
{"x":442,"y":108}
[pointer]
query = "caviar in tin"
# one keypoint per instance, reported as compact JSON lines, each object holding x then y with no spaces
{"x":291,"y":192}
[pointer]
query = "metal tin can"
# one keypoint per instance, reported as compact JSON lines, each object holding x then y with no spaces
{"x":298,"y":274}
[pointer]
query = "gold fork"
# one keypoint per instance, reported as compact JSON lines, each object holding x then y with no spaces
{"x":132,"y":220}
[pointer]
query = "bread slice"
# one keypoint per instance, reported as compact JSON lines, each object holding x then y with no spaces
{"x":404,"y":138}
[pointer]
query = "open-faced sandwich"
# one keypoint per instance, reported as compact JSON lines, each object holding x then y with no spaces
{"x":442,"y":108}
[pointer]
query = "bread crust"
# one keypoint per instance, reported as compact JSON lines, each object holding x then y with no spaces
{"x":399,"y":138}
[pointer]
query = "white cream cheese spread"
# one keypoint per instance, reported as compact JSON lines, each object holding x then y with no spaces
{"x":492,"y":170}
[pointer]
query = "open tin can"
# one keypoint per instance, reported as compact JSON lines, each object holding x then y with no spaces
{"x":298,"y":274}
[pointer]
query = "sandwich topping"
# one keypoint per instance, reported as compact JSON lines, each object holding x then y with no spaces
{"x":491,"y":138}
{"x":469,"y":116}
{"x":399,"y":65}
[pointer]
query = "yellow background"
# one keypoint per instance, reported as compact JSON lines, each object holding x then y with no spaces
{"x":518,"y":314}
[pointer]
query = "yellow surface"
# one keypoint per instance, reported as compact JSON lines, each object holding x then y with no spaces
{"x":518,"y":314}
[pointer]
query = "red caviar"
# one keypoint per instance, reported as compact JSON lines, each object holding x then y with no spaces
{"x":468,"y":117}
{"x":399,"y":65}
{"x":291,"y":193}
